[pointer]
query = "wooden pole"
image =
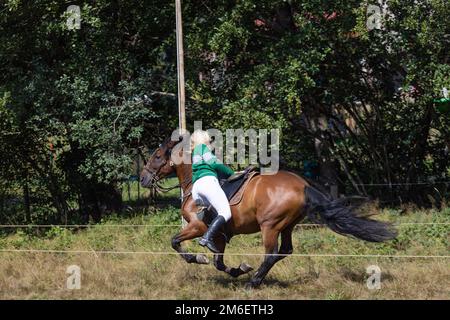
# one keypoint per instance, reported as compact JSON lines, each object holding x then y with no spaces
{"x":180,"y":69}
{"x":180,"y":72}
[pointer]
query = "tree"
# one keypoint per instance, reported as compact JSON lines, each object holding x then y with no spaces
{"x":75,"y":104}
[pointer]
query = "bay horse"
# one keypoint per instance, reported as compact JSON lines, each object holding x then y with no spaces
{"x":271,"y":204}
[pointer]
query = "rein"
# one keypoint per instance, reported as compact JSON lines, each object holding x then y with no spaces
{"x":167,"y":189}
{"x":155,"y":181}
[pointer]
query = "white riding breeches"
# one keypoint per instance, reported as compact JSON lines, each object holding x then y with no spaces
{"x":208,"y":190}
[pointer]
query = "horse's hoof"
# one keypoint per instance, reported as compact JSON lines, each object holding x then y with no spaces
{"x":201,"y":259}
{"x":245,"y":267}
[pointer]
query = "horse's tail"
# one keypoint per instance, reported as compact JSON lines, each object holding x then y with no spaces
{"x":342,"y":219}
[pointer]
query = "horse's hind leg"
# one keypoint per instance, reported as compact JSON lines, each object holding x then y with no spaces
{"x":220,"y":265}
{"x":286,"y":247}
{"x":193,"y":230}
{"x":270,"y":240}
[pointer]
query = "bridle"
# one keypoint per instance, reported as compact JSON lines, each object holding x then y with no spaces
{"x":155,"y":180}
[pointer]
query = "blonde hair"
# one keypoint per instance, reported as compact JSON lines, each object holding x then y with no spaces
{"x":200,"y":137}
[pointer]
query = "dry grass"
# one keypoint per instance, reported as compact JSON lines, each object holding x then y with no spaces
{"x":132,"y":276}
{"x":43,"y":277}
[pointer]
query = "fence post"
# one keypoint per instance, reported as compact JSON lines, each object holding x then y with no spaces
{"x":26,"y":199}
{"x":138,"y":169}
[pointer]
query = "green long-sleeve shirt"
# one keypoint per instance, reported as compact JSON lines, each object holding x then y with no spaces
{"x":204,"y":163}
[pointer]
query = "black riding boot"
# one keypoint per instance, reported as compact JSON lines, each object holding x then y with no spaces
{"x":208,"y":237}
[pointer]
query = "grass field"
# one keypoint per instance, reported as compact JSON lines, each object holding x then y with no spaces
{"x":145,"y":276}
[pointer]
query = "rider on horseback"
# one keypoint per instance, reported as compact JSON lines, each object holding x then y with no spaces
{"x":206,"y":187}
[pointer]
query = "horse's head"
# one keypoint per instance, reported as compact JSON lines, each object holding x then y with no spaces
{"x":159,"y":165}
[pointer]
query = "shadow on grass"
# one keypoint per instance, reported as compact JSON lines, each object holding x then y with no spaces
{"x":361,"y":276}
{"x":228,"y":282}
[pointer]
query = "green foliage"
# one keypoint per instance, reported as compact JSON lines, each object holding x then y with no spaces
{"x":75,"y":104}
{"x":287,"y":66}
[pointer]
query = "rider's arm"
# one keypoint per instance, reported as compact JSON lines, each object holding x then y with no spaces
{"x":223,"y":170}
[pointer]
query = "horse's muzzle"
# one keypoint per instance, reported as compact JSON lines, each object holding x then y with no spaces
{"x":147,"y":179}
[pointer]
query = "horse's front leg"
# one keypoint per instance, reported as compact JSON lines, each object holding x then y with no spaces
{"x":193,"y":230}
{"x":220,"y":265}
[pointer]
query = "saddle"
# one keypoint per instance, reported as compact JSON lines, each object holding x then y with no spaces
{"x":234,"y":188}
{"x":235,"y":185}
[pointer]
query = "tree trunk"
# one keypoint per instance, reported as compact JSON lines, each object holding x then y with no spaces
{"x":26,"y":200}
